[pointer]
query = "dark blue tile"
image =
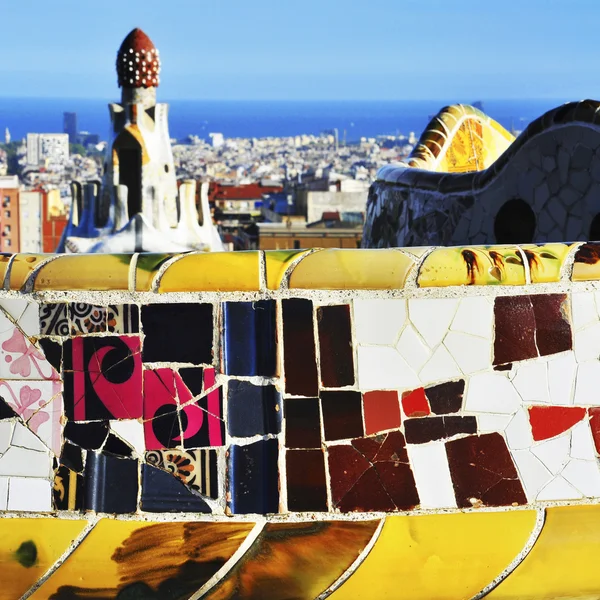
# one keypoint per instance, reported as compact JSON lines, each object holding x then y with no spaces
{"x":250,"y":338}
{"x":252,"y":409}
{"x":253,"y":478}
{"x":163,"y":492}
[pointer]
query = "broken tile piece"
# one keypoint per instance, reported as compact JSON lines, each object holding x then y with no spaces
{"x":68,"y":489}
{"x":86,"y":318}
{"x":123,"y":318}
{"x":552,"y":328}
{"x":429,"y":429}
{"x":54,"y":319}
{"x":130,"y":431}
{"x":415,"y":403}
{"x":550,"y":421}
{"x":446,"y":398}
{"x":29,"y":494}
{"x":382,"y":411}
{"x":306,"y":483}
{"x":335,"y":346}
{"x":90,"y":436}
{"x":342,"y":415}
{"x":514,"y":329}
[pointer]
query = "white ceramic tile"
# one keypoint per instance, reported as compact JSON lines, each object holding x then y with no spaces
{"x":554,"y":453}
{"x":30,"y":319}
{"x":583,"y":308}
{"x":32,"y":495}
{"x":14,"y":307}
{"x":586,"y":343}
{"x":432,"y":317}
{"x":533,"y":473}
{"x":562,"y":372}
{"x":439,"y":367}
{"x":3,"y":493}
{"x":25,"y":438}
{"x":559,"y":489}
{"x":582,"y":443}
{"x":6,"y":433}
{"x":518,"y":432}
{"x":378,"y":321}
{"x":432,"y":475}
{"x":531,"y":382}
{"x":488,"y":423}
{"x":382,"y":368}
{"x":587,"y":384}
{"x":491,"y":393}
{"x":20,"y":462}
{"x":412,"y":349}
{"x":475,"y":316}
{"x":49,"y":429}
{"x":472,"y":354}
{"x":131,"y":432}
{"x":19,"y":358}
{"x":584,"y":476}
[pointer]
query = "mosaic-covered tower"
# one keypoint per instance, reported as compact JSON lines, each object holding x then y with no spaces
{"x":138,"y":207}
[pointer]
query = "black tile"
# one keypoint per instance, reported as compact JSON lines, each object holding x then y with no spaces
{"x":252,"y":409}
{"x":163,"y":492}
{"x":111,"y":484}
{"x":68,"y":490}
{"x":6,"y":412}
{"x":306,"y":483}
{"x":446,"y":398}
{"x":71,"y":457}
{"x":428,"y":429}
{"x":249,"y":334}
{"x":193,"y":379}
{"x":342,"y":415}
{"x":178,"y":333}
{"x":335,"y":346}
{"x":52,"y":351}
{"x":253,"y":478}
{"x":302,"y":423}
{"x":115,"y":445}
{"x":90,"y":436}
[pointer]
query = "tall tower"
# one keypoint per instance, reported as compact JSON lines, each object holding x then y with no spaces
{"x":138,"y":207}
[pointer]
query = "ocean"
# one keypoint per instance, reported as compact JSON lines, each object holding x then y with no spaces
{"x":353,"y":119}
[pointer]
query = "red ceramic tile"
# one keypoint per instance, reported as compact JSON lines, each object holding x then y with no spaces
{"x":335,"y":345}
{"x":595,"y":426}
{"x":550,"y":421}
{"x":346,"y":466}
{"x":382,"y":411}
{"x":553,"y":331}
{"x":306,"y":483}
{"x":415,"y":403}
{"x":514,"y":328}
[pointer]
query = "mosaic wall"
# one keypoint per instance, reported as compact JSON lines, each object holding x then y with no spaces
{"x":542,"y":189}
{"x":301,"y":424}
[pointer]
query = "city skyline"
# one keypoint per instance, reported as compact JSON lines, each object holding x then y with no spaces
{"x":320,"y":50}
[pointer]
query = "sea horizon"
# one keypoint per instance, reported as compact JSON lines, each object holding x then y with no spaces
{"x":264,"y":118}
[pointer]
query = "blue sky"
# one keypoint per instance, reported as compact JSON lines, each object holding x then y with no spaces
{"x":314,"y":49}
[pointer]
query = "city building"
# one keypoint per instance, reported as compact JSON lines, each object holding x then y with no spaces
{"x":70,"y":125}
{"x":30,"y":221}
{"x":47,"y":147}
{"x":138,"y":205}
{"x":9,"y":214}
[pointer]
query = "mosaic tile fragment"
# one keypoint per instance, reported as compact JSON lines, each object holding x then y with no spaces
{"x":249,"y":338}
{"x":483,"y":472}
{"x":90,"y":436}
{"x":423,"y":430}
{"x":306,"y":483}
{"x":335,"y":346}
{"x":117,"y":447}
{"x":342,"y":415}
{"x":123,"y":318}
{"x":587,"y":263}
{"x":54,"y":319}
{"x":252,"y":410}
{"x":86,"y":318}
{"x":52,"y":351}
{"x":381,"y":410}
{"x":302,"y":423}
{"x":178,"y":333}
{"x":550,"y":421}
{"x":446,"y":398}
{"x":162,"y":428}
{"x":72,"y":457}
{"x":163,"y":493}
{"x":414,"y":404}
{"x":253,"y":478}
{"x":277,"y":264}
{"x":68,"y":489}
{"x":300,"y":362}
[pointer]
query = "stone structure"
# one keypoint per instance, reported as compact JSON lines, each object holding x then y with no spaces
{"x":138,"y":206}
{"x":543,"y":187}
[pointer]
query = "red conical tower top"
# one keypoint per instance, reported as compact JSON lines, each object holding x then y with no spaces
{"x":138,"y":63}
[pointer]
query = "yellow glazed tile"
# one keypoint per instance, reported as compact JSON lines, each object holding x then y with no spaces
{"x":493,"y":265}
{"x":4,"y":258}
{"x":352,"y":269}
{"x":213,"y":272}
{"x":85,"y":272}
{"x":587,"y":263}
{"x":148,"y":265}
{"x":277,"y":263}
{"x":563,"y":563}
{"x":28,"y":548}
{"x":439,"y":557}
{"x":146,"y":558}
{"x":545,"y":262}
{"x":22,"y":266}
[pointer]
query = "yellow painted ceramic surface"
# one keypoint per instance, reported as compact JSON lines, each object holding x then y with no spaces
{"x":120,"y":554}
{"x":352,"y":269}
{"x":545,"y":262}
{"x":85,"y":272}
{"x":277,"y":263}
{"x":213,"y":271}
{"x":22,"y":266}
{"x":28,"y":548}
{"x":148,"y":266}
{"x":563,"y":563}
{"x":443,"y":556}
{"x":493,"y":265}
{"x":3,"y":265}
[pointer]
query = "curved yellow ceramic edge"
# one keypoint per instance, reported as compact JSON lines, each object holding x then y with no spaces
{"x":277,"y":263}
{"x":587,"y":262}
{"x":563,"y":563}
{"x":29,"y":547}
{"x":22,"y":266}
{"x":213,"y":272}
{"x":439,"y":557}
{"x":147,"y":268}
{"x":476,"y":265}
{"x":84,"y":272}
{"x":546,"y":261}
{"x":364,"y":269}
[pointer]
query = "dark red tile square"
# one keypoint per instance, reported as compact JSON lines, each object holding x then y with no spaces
{"x":302,"y":423}
{"x":335,"y":345}
{"x":342,"y":415}
{"x":306,"y":483}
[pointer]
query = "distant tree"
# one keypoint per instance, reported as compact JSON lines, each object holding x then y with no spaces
{"x":12,"y":157}
{"x":77,"y":149}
